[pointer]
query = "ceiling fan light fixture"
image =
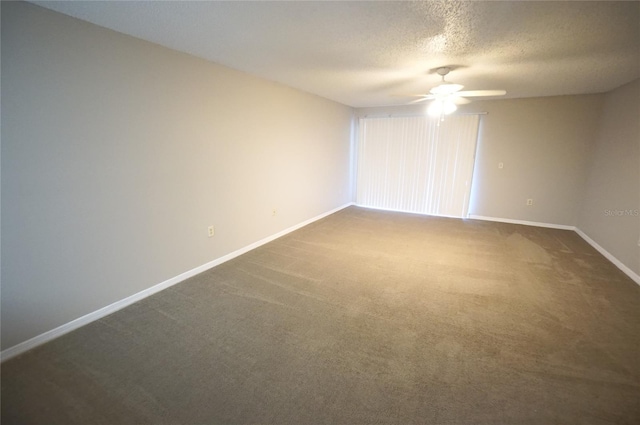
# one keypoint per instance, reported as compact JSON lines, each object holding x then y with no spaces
{"x":447,"y":95}
{"x":446,"y":88}
{"x":440,"y":107}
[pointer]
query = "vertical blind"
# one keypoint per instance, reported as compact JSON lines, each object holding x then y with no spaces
{"x":417,"y":164}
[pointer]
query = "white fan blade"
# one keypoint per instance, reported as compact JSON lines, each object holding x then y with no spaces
{"x":420,"y":100}
{"x":409,"y":95}
{"x":460,"y":100}
{"x":479,"y":93}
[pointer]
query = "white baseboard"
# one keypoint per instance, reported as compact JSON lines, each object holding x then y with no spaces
{"x":523,"y":222}
{"x":633,"y":275}
{"x":118,"y":305}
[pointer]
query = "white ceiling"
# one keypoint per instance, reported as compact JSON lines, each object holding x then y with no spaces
{"x":362,"y":53}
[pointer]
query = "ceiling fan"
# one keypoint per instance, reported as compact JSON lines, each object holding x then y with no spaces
{"x":447,"y":95}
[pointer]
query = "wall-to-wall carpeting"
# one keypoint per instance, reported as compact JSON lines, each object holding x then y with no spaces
{"x":364,"y":317}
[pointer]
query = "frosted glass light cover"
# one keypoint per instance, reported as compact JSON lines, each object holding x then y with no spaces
{"x":439,"y":107}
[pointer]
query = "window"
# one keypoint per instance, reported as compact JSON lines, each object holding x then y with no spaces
{"x":417,"y":164}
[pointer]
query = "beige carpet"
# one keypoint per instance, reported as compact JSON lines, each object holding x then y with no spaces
{"x":365,"y":317}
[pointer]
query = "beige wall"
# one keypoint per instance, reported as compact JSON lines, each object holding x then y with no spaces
{"x":610,"y":212}
{"x":544,"y":145}
{"x":117,"y":154}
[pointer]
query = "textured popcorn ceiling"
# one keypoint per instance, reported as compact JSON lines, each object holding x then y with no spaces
{"x":362,"y":53}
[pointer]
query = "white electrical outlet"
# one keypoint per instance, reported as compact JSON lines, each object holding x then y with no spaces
{"x":274,"y":212}
{"x":210,"y":231}
{"x":529,"y":201}
{"x":500,"y":165}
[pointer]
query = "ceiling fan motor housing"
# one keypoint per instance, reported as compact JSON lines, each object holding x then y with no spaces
{"x":443,"y":71}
